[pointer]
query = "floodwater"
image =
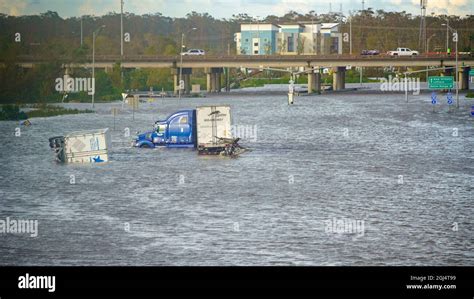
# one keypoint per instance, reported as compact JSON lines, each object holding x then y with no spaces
{"x":403,"y":173}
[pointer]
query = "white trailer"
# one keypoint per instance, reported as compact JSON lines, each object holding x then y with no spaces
{"x":213,"y":128}
{"x":82,"y":146}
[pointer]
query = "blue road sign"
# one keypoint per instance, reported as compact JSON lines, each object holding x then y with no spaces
{"x":433,"y":98}
{"x":450,"y":98}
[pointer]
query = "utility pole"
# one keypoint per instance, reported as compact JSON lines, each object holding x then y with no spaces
{"x":422,"y":36}
{"x":81,"y":33}
{"x":457,"y":70}
{"x":350,"y":34}
{"x":93,"y":67}
{"x":181,"y":62}
{"x":447,"y":35}
{"x":181,"y":67}
{"x":121,"y":41}
{"x":121,"y":28}
{"x":94,"y":35}
{"x":455,"y":39}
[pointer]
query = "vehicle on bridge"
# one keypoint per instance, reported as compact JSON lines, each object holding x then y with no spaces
{"x":370,"y":52}
{"x":207,"y":128}
{"x":194,"y":52}
{"x":403,"y":52}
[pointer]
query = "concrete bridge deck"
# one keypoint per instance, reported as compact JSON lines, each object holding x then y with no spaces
{"x":258,"y":61}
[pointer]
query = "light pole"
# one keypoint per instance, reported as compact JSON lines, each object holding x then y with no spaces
{"x":81,"y":32}
{"x":94,"y":34}
{"x":121,"y":42}
{"x":350,"y":32}
{"x":456,"y":38}
{"x":349,"y":19}
{"x":181,"y":62}
{"x":447,"y":35}
{"x":427,"y":50}
{"x":121,"y":28}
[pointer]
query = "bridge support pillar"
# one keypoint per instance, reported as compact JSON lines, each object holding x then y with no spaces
{"x":213,"y":76}
{"x":314,"y":82}
{"x":187,"y":83}
{"x":317,"y":82}
{"x":464,"y":78}
{"x":175,"y":84}
{"x":217,"y":84}
{"x":185,"y":76}
{"x":339,"y":78}
{"x":209,"y":82}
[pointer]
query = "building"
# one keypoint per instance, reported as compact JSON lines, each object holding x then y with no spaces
{"x":289,"y":39}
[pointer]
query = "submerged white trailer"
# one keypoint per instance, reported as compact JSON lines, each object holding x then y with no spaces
{"x":213,"y":126}
{"x":82,"y":146}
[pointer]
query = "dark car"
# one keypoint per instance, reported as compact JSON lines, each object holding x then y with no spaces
{"x":370,"y":52}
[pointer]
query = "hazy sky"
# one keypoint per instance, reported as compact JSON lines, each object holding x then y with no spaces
{"x":225,"y":8}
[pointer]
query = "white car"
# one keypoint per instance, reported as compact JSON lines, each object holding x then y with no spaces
{"x":194,"y":52}
{"x":403,"y":52}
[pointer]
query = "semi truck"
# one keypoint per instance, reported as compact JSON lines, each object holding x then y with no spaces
{"x":206,"y":128}
{"x":81,"y":147}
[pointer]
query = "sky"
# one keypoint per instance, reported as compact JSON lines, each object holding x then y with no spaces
{"x":226,"y":8}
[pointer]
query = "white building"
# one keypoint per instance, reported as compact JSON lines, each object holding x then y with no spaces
{"x":289,"y":39}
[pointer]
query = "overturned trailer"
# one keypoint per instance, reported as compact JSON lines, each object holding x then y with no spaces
{"x":81,"y":147}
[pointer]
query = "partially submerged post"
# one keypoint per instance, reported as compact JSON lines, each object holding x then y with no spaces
{"x":406,"y":88}
{"x":291,"y":92}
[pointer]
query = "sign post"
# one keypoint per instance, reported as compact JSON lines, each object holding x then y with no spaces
{"x":291,"y":92}
{"x":434,"y":100}
{"x":449,"y":97}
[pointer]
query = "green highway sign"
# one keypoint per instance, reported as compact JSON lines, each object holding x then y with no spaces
{"x":471,"y":73}
{"x":438,"y":82}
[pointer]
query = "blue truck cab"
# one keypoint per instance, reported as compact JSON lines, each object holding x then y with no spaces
{"x":178,"y":130}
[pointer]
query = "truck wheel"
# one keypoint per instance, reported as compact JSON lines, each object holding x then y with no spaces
{"x":144,"y":146}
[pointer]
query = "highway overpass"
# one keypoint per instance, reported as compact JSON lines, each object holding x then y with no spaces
{"x":258,"y":61}
{"x":312,"y":64}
